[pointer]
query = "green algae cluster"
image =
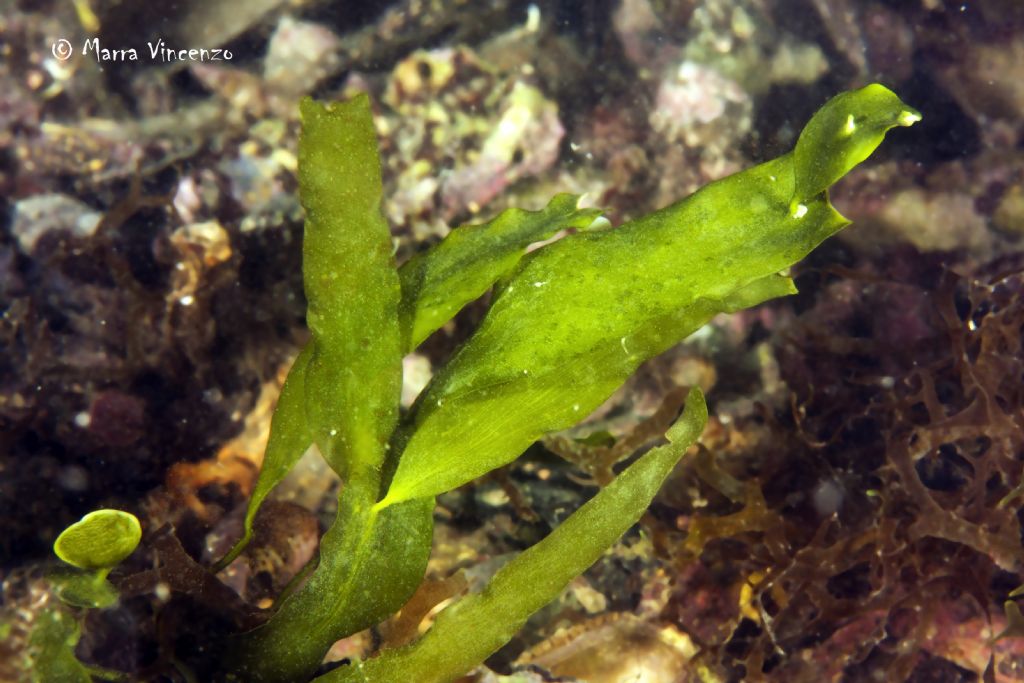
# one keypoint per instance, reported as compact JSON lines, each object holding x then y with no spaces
{"x":568,"y":324}
{"x":91,"y":547}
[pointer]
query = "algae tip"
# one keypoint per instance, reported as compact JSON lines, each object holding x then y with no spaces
{"x":908,"y":117}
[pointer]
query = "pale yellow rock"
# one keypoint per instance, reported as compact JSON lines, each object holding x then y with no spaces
{"x":1009,"y":215}
{"x":932,"y":222}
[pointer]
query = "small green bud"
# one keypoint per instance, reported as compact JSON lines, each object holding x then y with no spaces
{"x":100,"y":540}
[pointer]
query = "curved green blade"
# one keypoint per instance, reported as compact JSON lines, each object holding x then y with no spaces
{"x":844,"y":133}
{"x":289,"y":439}
{"x":577,"y":317}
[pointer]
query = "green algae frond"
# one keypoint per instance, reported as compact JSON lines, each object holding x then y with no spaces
{"x":567,"y":326}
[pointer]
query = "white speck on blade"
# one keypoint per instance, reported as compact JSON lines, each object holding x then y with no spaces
{"x":539,"y":284}
{"x":800,"y":211}
{"x":850,"y":125}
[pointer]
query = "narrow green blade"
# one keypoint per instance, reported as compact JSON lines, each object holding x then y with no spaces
{"x":457,"y":270}
{"x":289,"y":439}
{"x":370,"y":561}
{"x":468,"y":632}
{"x":354,"y":376}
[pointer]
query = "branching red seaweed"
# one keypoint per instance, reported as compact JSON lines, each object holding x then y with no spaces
{"x":878,"y":531}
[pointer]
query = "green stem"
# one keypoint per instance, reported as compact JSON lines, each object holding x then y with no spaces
{"x":291,"y":645}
